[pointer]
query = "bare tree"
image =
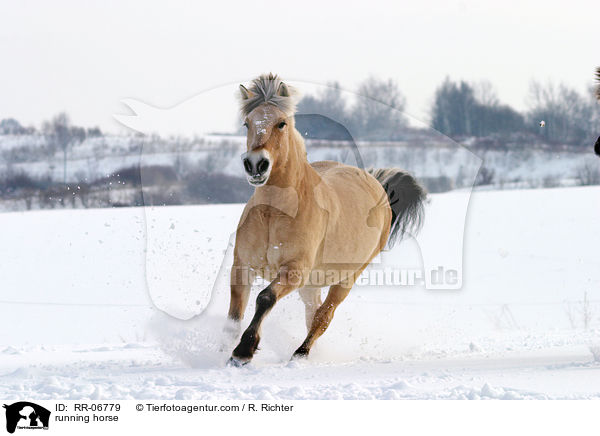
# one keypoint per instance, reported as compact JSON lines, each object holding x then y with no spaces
{"x":586,"y":312}
{"x":463,"y":109}
{"x":588,"y":173}
{"x":379,"y":113}
{"x":485,"y":176}
{"x":329,"y":102}
{"x":485,"y":93}
{"x":60,"y":133}
{"x":567,"y":114}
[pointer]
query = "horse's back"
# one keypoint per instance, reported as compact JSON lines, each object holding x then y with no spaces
{"x":324,"y":165}
{"x":347,"y":178}
{"x":328,"y":170}
{"x":358,"y":212}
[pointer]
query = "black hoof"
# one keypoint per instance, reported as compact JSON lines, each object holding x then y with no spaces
{"x":300,"y":353}
{"x":237,"y":363}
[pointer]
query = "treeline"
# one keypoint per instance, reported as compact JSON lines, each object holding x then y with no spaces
{"x":59,"y":125}
{"x":380,"y":116}
{"x":60,"y":134}
{"x":459,"y":110}
{"x":148,"y":185}
{"x":34,"y":162}
{"x":556,"y":114}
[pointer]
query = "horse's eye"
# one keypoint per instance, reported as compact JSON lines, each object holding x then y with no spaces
{"x":281,"y":125}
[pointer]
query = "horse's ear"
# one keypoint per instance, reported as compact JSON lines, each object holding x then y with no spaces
{"x":246,"y":93}
{"x":283,"y":90}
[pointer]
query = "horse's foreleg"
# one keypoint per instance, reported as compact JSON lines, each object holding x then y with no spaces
{"x":241,"y":281}
{"x":288,"y":279}
{"x":312,"y":301}
{"x":323,"y":317}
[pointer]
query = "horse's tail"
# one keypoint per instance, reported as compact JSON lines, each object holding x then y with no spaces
{"x":406,"y":198}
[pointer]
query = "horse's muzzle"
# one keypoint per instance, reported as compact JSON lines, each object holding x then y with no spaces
{"x":257,"y":166}
{"x":257,"y":169}
{"x":257,"y":181}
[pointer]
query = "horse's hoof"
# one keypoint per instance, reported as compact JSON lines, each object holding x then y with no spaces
{"x":231,"y":329}
{"x":300,"y":354}
{"x":236,"y":362}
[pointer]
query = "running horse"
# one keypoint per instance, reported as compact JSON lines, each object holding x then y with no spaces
{"x":307,"y":225}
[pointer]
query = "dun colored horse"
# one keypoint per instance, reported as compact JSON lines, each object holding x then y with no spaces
{"x":307,"y":226}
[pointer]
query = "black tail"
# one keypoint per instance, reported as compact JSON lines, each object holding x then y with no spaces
{"x":406,"y":198}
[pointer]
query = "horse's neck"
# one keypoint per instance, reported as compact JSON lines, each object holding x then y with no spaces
{"x":297,"y":173}
{"x":292,"y":188}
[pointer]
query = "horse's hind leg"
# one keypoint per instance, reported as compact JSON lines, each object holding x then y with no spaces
{"x":312,"y":301}
{"x":323,"y":317}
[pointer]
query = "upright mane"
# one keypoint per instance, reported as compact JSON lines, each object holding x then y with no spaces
{"x":268,"y":88}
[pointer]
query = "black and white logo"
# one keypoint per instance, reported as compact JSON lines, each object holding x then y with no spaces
{"x":26,"y":415}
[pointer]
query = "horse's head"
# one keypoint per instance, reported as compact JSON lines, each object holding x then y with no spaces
{"x":268,"y":114}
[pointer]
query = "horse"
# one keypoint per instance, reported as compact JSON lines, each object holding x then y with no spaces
{"x":597,"y":144}
{"x":307,"y":225}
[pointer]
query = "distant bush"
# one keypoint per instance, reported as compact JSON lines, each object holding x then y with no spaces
{"x":551,"y":181}
{"x":437,"y":184}
{"x":20,"y":181}
{"x":10,"y":126}
{"x":202,"y":187}
{"x":485,"y":176}
{"x":162,"y":197}
{"x":150,"y":175}
{"x":130,"y":176}
{"x":588,"y":173}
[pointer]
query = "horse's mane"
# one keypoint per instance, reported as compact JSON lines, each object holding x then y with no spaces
{"x":267,"y":88}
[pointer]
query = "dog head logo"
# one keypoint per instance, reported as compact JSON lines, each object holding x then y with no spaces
{"x":26,"y":415}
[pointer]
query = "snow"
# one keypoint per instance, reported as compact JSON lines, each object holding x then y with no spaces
{"x":95,"y":305}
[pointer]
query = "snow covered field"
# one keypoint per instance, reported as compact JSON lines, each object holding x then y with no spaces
{"x":84,"y":294}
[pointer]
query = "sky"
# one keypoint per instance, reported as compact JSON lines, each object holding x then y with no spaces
{"x":85,"y":57}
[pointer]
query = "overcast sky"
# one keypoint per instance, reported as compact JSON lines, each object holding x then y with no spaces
{"x":84,"y":57}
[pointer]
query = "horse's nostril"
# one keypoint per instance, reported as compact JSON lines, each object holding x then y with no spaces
{"x":247,"y":165}
{"x":263,"y":166}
